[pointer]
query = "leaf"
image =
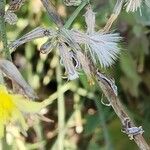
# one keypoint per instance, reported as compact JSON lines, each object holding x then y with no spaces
{"x":132,"y":79}
{"x":91,"y":124}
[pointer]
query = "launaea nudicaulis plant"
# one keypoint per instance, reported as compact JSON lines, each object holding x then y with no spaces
{"x":101,"y":47}
{"x":10,"y":70}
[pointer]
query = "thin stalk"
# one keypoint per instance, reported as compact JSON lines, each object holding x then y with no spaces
{"x":61,"y":109}
{"x":77,"y":111}
{"x":3,"y":36}
{"x":75,"y":14}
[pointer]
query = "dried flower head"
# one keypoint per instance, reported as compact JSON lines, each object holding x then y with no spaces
{"x":102,"y":46}
{"x":67,"y":61}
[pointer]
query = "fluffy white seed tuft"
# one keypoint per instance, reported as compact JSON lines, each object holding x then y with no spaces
{"x":133,"y":5}
{"x":102,"y":46}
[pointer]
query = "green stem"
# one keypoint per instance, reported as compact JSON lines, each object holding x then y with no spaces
{"x":3,"y":36}
{"x":75,"y":13}
{"x":61,"y":110}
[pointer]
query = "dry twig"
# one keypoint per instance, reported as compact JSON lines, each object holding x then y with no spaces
{"x":120,"y":111}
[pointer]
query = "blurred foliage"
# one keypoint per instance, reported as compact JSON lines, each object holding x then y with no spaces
{"x":88,"y":124}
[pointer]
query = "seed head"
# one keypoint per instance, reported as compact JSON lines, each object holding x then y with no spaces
{"x":102,"y":46}
{"x":133,"y":5}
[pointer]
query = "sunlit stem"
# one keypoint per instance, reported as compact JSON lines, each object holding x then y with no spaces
{"x":75,"y":13}
{"x":78,"y":118}
{"x":61,"y":109}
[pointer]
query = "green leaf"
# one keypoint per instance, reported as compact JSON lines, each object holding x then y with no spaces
{"x":132,"y":80}
{"x":91,"y":124}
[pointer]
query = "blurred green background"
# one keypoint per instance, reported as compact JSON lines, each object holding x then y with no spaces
{"x":76,"y":106}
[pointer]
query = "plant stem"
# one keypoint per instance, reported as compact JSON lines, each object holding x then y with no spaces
{"x":75,"y":13}
{"x":61,"y":109}
{"x":3,"y":36}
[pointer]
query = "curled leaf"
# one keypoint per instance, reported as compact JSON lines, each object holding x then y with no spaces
{"x":67,"y":62}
